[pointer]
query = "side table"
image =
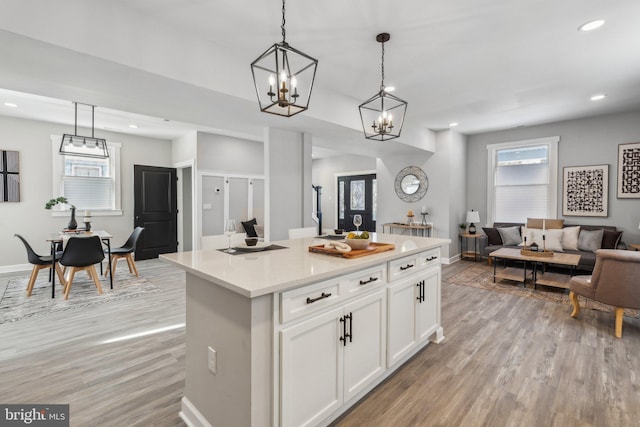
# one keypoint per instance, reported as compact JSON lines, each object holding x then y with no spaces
{"x":464,"y":249}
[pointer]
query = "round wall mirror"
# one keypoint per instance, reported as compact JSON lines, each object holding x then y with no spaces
{"x":411,"y":184}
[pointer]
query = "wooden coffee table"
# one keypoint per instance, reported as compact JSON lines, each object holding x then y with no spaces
{"x":557,"y":280}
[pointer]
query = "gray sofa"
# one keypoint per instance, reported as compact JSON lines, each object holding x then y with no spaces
{"x":612,"y":239}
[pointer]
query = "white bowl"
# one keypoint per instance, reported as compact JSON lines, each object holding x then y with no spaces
{"x":358,"y":243}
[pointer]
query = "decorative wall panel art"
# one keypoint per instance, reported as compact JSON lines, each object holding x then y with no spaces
{"x":585,"y":190}
{"x":629,"y":171}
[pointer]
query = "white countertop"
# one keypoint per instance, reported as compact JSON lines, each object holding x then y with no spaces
{"x":259,"y":273}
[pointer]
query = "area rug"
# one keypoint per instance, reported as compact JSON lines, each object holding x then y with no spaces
{"x":481,"y":276}
{"x":15,"y":305}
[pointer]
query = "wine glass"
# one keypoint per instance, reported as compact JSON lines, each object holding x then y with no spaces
{"x":229,"y":230}
{"x":357,"y":221}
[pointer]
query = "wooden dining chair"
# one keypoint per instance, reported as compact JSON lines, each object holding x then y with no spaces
{"x":126,"y":251}
{"x":82,"y":253}
{"x":40,"y":262}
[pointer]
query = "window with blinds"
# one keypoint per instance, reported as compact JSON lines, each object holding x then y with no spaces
{"x":523,"y":180}
{"x":88,"y":183}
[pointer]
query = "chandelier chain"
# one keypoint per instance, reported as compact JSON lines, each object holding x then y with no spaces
{"x":382,"y":67}
{"x":283,"y":22}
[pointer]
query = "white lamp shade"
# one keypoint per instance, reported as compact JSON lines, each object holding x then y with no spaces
{"x":473,"y":217}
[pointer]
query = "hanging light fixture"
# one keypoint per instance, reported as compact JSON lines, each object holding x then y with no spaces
{"x":83,"y":146}
{"x":382,"y":115}
{"x":283,"y":77}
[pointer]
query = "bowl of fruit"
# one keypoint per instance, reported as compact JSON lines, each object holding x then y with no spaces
{"x":358,"y":241}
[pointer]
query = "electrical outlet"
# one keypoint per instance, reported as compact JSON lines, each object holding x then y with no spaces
{"x":212,"y":360}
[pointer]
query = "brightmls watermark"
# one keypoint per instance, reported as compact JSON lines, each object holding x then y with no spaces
{"x":34,"y":415}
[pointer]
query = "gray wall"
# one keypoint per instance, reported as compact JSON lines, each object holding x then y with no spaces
{"x":228,"y":154}
{"x":590,"y":141}
{"x":29,"y":217}
{"x":287,"y":182}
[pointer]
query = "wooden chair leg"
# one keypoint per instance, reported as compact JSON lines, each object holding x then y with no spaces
{"x":94,"y":274}
{"x":60,"y":275}
{"x":114,"y":261}
{"x":619,"y":317}
{"x":72,"y":273}
{"x":575,"y":303}
{"x":32,"y":279}
{"x":132,"y":265}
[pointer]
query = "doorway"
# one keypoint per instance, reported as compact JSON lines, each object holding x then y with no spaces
{"x":357,"y":194}
{"x":155,"y":209}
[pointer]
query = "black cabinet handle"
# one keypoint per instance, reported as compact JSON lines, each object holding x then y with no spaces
{"x":431,"y":258}
{"x":408,"y":266}
{"x":323,"y":296}
{"x":371,"y":279}
{"x":420,"y":296}
{"x":346,"y":335}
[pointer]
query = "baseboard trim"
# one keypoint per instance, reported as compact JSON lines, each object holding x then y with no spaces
{"x":191,"y":416}
{"x":15,"y":268}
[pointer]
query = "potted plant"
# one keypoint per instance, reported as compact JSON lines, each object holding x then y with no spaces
{"x":72,"y":222}
{"x":463,"y":227}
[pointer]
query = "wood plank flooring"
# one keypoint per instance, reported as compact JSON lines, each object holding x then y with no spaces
{"x":506,"y":361}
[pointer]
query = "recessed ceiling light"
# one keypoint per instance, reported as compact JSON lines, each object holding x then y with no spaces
{"x":132,"y":126}
{"x":591,"y":25}
{"x":598,"y":97}
{"x":453,"y":124}
{"x":389,"y":88}
{"x":10,"y":104}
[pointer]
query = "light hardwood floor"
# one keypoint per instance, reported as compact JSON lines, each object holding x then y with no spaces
{"x":506,"y":361}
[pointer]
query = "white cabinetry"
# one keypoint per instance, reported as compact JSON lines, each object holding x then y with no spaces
{"x":328,"y":358}
{"x":414,"y":304}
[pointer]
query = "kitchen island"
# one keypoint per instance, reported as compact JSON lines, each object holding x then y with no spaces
{"x":289,"y":338}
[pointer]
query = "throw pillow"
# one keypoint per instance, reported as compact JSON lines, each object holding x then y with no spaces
{"x":493,"y":236}
{"x":553,"y":240}
{"x":590,"y":241}
{"x":249,"y":227}
{"x":549,"y":224}
{"x":610,"y":239}
{"x":570,"y":238}
{"x":510,"y":235}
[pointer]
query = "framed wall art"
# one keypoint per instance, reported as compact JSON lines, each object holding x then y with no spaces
{"x":585,"y":190}
{"x":9,"y":176}
{"x":629,"y":171}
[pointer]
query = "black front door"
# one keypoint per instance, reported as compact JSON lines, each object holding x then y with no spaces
{"x":155,"y":209}
{"x":356,"y":195}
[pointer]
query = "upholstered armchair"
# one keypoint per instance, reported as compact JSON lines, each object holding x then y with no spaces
{"x":615,"y":281}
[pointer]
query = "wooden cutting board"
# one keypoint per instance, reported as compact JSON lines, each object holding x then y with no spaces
{"x":373,"y":248}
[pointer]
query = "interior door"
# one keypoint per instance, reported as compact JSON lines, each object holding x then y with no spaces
{"x":155,"y":209}
{"x":357,"y":195}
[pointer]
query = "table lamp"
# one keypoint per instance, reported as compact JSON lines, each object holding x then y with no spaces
{"x":472,"y":216}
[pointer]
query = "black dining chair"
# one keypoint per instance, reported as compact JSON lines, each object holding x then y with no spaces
{"x":40,"y":262}
{"x":82,"y":253}
{"x":125,"y":251}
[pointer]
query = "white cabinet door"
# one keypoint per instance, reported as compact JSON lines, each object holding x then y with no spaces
{"x":427,"y":317}
{"x":402,"y":319}
{"x":311,"y":372}
{"x":365,"y":350}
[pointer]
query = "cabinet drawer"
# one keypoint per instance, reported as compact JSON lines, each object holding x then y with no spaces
{"x":403,"y":267}
{"x":365,"y":280}
{"x":308,"y":299}
{"x":429,"y":258}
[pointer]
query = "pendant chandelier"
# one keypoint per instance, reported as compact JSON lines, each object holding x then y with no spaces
{"x":283,"y":77}
{"x":382,"y":115}
{"x":83,"y":146}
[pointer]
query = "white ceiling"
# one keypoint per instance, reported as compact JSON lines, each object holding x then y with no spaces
{"x":486,"y":64}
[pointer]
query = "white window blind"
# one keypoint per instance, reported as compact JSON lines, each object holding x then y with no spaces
{"x":88,"y":183}
{"x":522,"y":180}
